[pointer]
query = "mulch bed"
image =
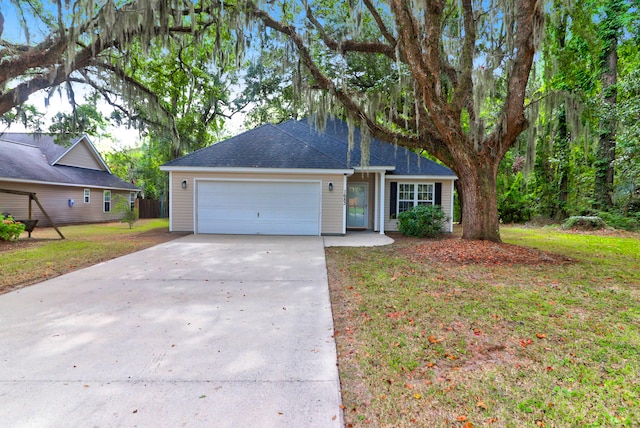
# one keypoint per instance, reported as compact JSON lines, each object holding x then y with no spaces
{"x":456,"y":251}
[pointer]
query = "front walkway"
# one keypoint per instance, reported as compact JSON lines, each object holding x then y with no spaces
{"x":365,"y":238}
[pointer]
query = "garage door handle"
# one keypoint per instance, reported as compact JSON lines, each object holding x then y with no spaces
{"x":258,"y":215}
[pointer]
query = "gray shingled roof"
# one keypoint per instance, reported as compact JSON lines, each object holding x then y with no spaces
{"x":29,"y":156}
{"x":297,"y":144}
{"x":382,"y":153}
{"x":264,"y":147}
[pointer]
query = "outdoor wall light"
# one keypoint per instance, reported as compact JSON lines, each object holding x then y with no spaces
{"x":331,"y":187}
{"x":184,"y":184}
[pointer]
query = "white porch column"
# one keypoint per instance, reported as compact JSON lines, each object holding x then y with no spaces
{"x":381,"y":216}
{"x":451,"y":220}
{"x":344,"y":205}
{"x":376,"y":203}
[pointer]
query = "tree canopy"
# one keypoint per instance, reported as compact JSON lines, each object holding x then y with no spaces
{"x":152,"y":60}
{"x":449,"y":78}
{"x":453,"y":78}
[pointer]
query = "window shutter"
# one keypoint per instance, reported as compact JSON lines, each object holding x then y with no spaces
{"x":393,"y":198}
{"x":438,"y":195}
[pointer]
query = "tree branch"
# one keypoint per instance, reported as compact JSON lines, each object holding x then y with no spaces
{"x":344,"y":46}
{"x":512,"y":120}
{"x":465,"y":85}
{"x":383,"y":28}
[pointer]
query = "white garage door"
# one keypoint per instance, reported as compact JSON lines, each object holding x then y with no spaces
{"x":258,"y":207}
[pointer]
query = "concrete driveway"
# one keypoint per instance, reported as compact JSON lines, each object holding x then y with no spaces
{"x":202,"y":331}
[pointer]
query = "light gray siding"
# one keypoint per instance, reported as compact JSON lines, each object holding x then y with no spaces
{"x":447,"y":201}
{"x":55,"y":200}
{"x":81,"y":156}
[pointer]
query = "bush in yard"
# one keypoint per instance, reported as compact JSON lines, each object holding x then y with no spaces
{"x":421,"y":221}
{"x":584,"y":223}
{"x":616,"y":220}
{"x":10,"y":230}
{"x":129,"y":215}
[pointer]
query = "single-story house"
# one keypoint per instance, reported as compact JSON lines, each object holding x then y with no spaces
{"x":294,"y":179}
{"x":73,"y":184}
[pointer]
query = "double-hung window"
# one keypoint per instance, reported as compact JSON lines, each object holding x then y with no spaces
{"x":413,"y":194}
{"x":132,"y":200}
{"x":87,"y":196}
{"x":106,"y":197}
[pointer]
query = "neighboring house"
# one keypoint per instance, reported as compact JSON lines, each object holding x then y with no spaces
{"x":291,"y":179}
{"x":74,"y":184}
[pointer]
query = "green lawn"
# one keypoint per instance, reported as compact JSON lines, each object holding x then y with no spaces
{"x":45,"y":255}
{"x":425,"y":343}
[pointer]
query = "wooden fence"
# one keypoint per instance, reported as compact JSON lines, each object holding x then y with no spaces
{"x":150,"y":208}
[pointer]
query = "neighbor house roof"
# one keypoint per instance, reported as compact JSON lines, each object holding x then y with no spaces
{"x":298,"y":144}
{"x":37,"y":158}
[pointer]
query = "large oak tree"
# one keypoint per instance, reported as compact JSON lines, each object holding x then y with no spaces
{"x":450,"y":77}
{"x":456,"y":83}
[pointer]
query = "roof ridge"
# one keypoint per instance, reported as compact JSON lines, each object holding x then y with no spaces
{"x":18,"y":142}
{"x":345,"y":143}
{"x":307,"y":144}
{"x":216,"y":143}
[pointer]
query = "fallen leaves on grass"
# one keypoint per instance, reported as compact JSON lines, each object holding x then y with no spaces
{"x":465,"y":252}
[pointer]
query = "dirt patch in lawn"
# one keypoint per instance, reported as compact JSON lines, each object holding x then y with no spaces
{"x":456,"y":251}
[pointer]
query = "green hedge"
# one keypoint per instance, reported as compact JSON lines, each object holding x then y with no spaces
{"x":421,"y":221}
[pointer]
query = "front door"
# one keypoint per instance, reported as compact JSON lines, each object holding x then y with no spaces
{"x":357,"y":214}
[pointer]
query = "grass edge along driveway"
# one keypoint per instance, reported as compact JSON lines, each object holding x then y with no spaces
{"x":426,"y":342}
{"x":44,"y":256}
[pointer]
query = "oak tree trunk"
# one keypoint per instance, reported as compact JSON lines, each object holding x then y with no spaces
{"x":479,"y":201}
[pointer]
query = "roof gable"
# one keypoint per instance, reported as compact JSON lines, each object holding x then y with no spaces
{"x":82,"y":154}
{"x":32,"y":158}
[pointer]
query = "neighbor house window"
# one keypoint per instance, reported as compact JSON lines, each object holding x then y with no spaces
{"x":107,"y":201}
{"x":132,"y":200}
{"x":412,"y":194}
{"x":87,"y":196}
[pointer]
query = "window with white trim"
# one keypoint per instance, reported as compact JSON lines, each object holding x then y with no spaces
{"x":106,"y":198}
{"x":132,"y":200}
{"x":87,"y":196}
{"x":412,"y":194}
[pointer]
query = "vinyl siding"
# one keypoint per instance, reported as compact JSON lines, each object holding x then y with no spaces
{"x":182,"y":203}
{"x":82,"y":157}
{"x":55,"y":200}
{"x":447,"y":189}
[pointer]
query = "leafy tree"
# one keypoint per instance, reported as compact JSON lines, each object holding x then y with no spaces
{"x":454,"y":84}
{"x":129,"y":213}
{"x":116,"y":47}
{"x":269,"y":89}
{"x":610,"y":29}
{"x":84,"y":119}
{"x":27,"y":115}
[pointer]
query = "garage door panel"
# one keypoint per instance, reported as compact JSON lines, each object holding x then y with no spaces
{"x":248,"y":207}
